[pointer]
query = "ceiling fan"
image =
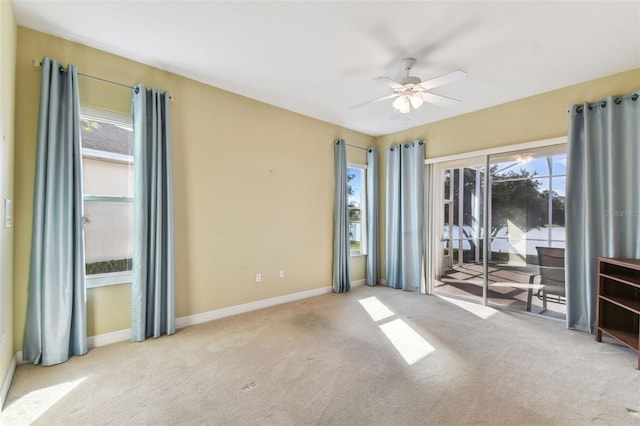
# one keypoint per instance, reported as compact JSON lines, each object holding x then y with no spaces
{"x":411,"y":92}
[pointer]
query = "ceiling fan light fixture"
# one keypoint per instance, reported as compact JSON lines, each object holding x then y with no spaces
{"x":411,"y":92}
{"x":416,"y":100}
{"x":402,"y":104}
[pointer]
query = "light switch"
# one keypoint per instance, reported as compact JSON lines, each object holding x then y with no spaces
{"x":7,"y":213}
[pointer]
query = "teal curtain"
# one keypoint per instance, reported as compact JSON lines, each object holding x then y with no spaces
{"x":341,"y":251}
{"x":56,"y":325}
{"x":602,"y":197}
{"x":373,"y":270}
{"x":405,"y":216}
{"x":153,"y":287}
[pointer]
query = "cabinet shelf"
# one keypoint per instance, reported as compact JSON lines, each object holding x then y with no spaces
{"x":618,"y":301}
{"x":629,"y":279}
{"x":624,"y":302}
{"x":628,"y":338}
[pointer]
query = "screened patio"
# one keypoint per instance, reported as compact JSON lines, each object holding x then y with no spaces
{"x":525,"y":199}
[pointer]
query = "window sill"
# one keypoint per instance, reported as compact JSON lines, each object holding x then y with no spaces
{"x":113,"y":278}
{"x":357,"y":254}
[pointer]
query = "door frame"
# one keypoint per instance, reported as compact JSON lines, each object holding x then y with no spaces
{"x":434,"y":211}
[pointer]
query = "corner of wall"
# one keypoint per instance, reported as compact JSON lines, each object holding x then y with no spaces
{"x":8,"y":48}
{"x":7,"y":380}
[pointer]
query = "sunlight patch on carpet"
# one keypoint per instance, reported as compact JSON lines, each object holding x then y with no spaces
{"x":476,"y":309}
{"x":27,"y":409}
{"x":375,"y":308}
{"x":407,"y":341}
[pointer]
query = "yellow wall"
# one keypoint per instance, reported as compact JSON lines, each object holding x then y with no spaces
{"x":7,"y":97}
{"x":253,"y":183}
{"x":535,"y":118}
{"x":253,"y":187}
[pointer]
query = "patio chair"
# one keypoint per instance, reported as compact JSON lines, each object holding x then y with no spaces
{"x":551,"y":267}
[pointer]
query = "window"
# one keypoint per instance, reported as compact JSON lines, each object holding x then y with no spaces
{"x":107,"y":161}
{"x":357,"y":203}
{"x":528,"y":192}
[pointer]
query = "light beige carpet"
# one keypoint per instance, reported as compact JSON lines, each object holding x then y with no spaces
{"x":374,"y":356}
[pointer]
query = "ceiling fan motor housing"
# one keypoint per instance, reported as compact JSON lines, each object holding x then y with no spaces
{"x":410,"y":80}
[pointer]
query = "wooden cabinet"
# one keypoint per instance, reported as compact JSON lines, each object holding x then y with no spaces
{"x":619,"y":301}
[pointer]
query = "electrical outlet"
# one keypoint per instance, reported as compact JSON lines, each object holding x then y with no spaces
{"x":258,"y":277}
{"x":281,"y":273}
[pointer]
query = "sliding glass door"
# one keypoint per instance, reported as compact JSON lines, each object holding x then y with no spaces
{"x":524,"y":218}
{"x":527,"y":191}
{"x":462,"y":231}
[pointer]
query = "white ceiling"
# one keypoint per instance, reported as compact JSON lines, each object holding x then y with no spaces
{"x":320,"y":58}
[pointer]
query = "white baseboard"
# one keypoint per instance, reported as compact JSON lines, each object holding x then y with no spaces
{"x":6,"y":383}
{"x":108,"y":338}
{"x":356,"y":283}
{"x":361,"y":282}
{"x":124,"y":335}
{"x":95,"y":341}
{"x":248,"y":307}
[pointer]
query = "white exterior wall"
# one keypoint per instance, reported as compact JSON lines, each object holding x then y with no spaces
{"x":108,"y":225}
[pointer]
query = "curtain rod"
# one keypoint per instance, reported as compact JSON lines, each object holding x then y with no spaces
{"x":38,"y":63}
{"x":353,"y":146}
{"x":603,"y":104}
{"x":357,"y":147}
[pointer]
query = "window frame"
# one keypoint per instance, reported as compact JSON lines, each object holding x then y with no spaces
{"x":363,"y":209}
{"x":122,"y":120}
{"x":549,"y":155}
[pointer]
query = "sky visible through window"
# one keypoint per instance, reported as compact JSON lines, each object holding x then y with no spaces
{"x":355,"y":184}
{"x":540,"y":167}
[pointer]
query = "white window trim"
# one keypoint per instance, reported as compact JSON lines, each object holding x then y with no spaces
{"x":363,"y":210}
{"x":112,"y":278}
{"x":123,"y":120}
{"x":118,"y":119}
{"x":497,"y":150}
{"x":108,"y":156}
{"x":107,"y":198}
{"x":356,"y":166}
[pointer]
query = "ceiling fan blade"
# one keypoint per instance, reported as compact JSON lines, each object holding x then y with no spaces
{"x":395,"y":95}
{"x":391,"y":83}
{"x":432,"y":98}
{"x":443,"y":79}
